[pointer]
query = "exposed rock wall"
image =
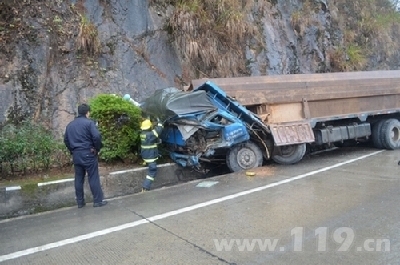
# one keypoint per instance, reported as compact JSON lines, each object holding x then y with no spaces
{"x":46,"y":81}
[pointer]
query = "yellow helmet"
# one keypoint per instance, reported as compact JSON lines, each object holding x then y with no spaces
{"x":146,"y":124}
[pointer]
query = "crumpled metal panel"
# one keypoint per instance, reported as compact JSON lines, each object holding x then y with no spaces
{"x":295,"y":133}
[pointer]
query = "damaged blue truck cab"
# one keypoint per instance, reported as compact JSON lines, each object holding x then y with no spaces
{"x":221,"y":129}
{"x":210,"y":136}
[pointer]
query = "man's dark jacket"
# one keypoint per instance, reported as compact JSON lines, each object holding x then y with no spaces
{"x":82,"y":134}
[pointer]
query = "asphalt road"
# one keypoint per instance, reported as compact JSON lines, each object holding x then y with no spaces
{"x":338,"y":207}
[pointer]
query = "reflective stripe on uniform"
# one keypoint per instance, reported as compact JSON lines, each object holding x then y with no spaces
{"x":155,"y":133}
{"x":150,"y":160}
{"x":149,"y":146}
{"x":149,"y":178}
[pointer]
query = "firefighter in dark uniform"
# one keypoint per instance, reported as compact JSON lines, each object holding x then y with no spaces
{"x":149,"y":150}
{"x":83,"y":140}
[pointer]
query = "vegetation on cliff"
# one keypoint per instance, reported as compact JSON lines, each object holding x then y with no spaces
{"x":213,"y":35}
{"x":369,"y":29}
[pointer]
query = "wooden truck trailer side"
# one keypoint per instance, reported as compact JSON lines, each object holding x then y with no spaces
{"x":321,"y":109}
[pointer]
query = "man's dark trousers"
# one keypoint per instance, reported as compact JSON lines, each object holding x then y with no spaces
{"x":85,"y":161}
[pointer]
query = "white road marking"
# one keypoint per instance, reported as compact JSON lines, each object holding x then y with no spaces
{"x":54,"y":182}
{"x":13,"y":188}
{"x":138,"y":169}
{"x":172,"y":213}
{"x":206,"y":184}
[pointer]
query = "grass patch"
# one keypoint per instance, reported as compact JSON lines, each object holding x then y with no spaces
{"x":367,"y":24}
{"x":29,"y":189}
{"x":87,"y":40}
{"x":212,"y":35}
{"x":350,"y":58}
{"x":356,"y":58}
{"x":35,"y":179}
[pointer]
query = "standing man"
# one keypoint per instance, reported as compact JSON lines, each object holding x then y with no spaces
{"x":83,"y":140}
{"x":149,"y":150}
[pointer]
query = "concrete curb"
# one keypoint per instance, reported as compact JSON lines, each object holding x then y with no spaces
{"x":33,"y":198}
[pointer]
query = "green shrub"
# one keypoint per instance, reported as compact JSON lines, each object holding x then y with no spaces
{"x":26,"y":148}
{"x":11,"y":148}
{"x":61,"y":156}
{"x":119,"y":124}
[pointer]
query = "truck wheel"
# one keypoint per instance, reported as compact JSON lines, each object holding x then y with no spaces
{"x":390,"y":134}
{"x":290,"y":154}
{"x":376,"y":134}
{"x":244,"y":156}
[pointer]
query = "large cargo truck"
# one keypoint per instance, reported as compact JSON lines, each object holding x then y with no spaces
{"x":247,"y":120}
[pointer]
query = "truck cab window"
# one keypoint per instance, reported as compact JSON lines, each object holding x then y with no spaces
{"x":218,"y":119}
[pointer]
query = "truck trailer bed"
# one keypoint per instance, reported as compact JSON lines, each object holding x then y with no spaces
{"x":314,"y":97}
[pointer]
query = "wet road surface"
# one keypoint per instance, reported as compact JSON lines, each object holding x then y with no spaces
{"x":338,"y":207}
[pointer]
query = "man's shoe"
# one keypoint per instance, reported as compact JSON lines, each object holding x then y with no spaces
{"x":81,"y":205}
{"x":144,"y":190}
{"x":99,"y":204}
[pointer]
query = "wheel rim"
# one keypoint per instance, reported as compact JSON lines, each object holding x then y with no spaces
{"x":288,"y":150}
{"x":395,"y":134}
{"x":246,"y":158}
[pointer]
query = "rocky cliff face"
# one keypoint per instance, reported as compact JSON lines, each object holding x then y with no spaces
{"x":45,"y":77}
{"x":325,"y":36}
{"x":56,"y":54}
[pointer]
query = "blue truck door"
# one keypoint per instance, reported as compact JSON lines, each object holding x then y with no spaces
{"x":232,"y":132}
{"x":235,"y":133}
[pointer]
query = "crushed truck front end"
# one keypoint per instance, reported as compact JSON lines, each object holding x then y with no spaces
{"x":196,"y":139}
{"x":204,"y":127}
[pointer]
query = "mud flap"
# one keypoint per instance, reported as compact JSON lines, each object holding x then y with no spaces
{"x":293,"y":133}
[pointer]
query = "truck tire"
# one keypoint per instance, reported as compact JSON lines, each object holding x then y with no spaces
{"x":244,"y":156}
{"x":290,"y":154}
{"x":390,"y":134}
{"x":376,"y":134}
